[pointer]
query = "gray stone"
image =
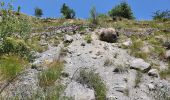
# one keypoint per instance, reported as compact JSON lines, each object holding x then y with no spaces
{"x":68,"y":38}
{"x":127,"y":43}
{"x":153,"y":72}
{"x":167,"y":54}
{"x":139,"y":64}
{"x":79,"y":92}
{"x":83,"y":44}
{"x":151,"y":87}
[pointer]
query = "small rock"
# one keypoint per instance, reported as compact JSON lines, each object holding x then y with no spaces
{"x":151,"y":87}
{"x":140,"y":64}
{"x":68,"y":39}
{"x":153,"y":72}
{"x":83,"y":44}
{"x":127,"y":43}
{"x":94,"y":57}
{"x":167,"y":54}
{"x":78,"y":54}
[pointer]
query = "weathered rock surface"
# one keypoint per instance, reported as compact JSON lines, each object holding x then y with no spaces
{"x":109,"y":35}
{"x":153,"y":72}
{"x":79,"y":92}
{"x":167,"y":54}
{"x":68,"y":39}
{"x":26,"y":84}
{"x":119,"y":76}
{"x":140,"y":64}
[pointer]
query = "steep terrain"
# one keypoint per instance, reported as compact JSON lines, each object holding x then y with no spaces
{"x":94,"y":66}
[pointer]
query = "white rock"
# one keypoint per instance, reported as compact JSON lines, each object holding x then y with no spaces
{"x":127,"y":43}
{"x":167,"y":54}
{"x":151,"y":86}
{"x":68,"y":38}
{"x":79,"y":92}
{"x":153,"y":72}
{"x":139,"y":64}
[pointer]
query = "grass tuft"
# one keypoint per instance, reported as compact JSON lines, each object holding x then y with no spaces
{"x":88,"y":38}
{"x":11,"y":65}
{"x":48,"y":77}
{"x":94,"y":81}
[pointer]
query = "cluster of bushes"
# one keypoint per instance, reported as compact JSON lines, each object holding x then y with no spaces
{"x":122,"y":10}
{"x":162,"y":15}
{"x":14,"y":31}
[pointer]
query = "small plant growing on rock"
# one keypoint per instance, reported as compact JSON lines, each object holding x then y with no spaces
{"x":135,"y":48}
{"x":138,"y":79}
{"x":48,"y":77}
{"x":88,"y":38}
{"x":165,"y":74}
{"x":94,"y":81}
{"x":108,"y":62}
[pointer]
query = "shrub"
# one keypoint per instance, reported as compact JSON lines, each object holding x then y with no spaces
{"x":93,"y":16}
{"x":11,"y":24}
{"x":138,"y":78}
{"x":165,"y":73}
{"x":94,"y":81}
{"x":161,"y":15}
{"x":48,"y":77}
{"x":17,"y":46}
{"x":18,"y":10}
{"x":38,"y":12}
{"x":67,"y":12}
{"x":11,"y":65}
{"x":121,"y":10}
{"x":135,"y":48}
{"x":88,"y":38}
{"x":108,"y":62}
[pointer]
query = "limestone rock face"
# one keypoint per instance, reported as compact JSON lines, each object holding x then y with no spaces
{"x":108,"y":35}
{"x":140,"y":64}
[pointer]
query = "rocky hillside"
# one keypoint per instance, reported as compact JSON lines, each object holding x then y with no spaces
{"x":127,"y":61}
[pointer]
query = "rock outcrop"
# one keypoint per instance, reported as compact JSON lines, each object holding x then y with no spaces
{"x":109,"y":35}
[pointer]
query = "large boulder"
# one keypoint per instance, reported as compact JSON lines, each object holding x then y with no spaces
{"x":109,"y":35}
{"x":140,"y":64}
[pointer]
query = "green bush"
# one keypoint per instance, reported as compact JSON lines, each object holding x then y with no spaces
{"x":88,"y":38}
{"x":121,"y":10}
{"x":38,"y":12}
{"x":161,"y":15}
{"x":17,"y":46}
{"x":67,"y":12}
{"x":13,"y":25}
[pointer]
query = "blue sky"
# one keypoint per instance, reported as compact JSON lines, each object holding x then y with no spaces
{"x":142,"y":9}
